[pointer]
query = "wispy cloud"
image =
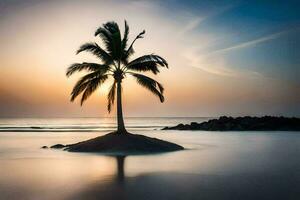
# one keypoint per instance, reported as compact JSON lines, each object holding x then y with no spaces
{"x":220,"y":67}
{"x":197,"y":20}
{"x":191,"y":25}
{"x":217,"y":65}
{"x":251,"y":43}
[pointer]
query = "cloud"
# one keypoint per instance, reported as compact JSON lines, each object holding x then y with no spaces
{"x":218,"y":66}
{"x":196,"y":20}
{"x":190,"y":26}
{"x":214,"y":63}
{"x":251,"y":43}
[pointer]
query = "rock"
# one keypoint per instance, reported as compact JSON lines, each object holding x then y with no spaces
{"x":247,"y":123}
{"x":180,"y":126}
{"x":194,"y":126}
{"x":35,"y":127}
{"x":44,"y":147}
{"x":57,"y":146}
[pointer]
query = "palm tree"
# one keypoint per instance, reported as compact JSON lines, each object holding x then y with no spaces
{"x":115,"y":63}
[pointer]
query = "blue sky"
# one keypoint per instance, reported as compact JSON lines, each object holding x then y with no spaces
{"x":270,"y":28}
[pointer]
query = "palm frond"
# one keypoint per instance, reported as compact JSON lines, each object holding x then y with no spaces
{"x":92,"y":86}
{"x":96,"y":50}
{"x":141,"y":34}
{"x":127,"y":53}
{"x":77,"y":67}
{"x":116,"y":51}
{"x":112,"y":27}
{"x":87,"y":82}
{"x":106,"y":37}
{"x":81,"y":84}
{"x":125,"y":37}
{"x":111,"y":36}
{"x":147,"y":63}
{"x":150,"y":84}
{"x":111,"y":96}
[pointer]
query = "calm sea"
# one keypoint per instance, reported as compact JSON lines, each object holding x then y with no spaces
{"x":215,"y":165}
{"x":90,"y":124}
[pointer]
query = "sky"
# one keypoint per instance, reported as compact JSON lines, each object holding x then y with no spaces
{"x":226,"y":57}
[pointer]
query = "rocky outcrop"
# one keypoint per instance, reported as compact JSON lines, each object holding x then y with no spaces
{"x":58,"y":146}
{"x":266,"y":123}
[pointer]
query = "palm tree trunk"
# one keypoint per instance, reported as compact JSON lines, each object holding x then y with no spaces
{"x":121,"y":126}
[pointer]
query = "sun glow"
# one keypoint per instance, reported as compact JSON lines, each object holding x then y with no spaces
{"x":202,"y":74}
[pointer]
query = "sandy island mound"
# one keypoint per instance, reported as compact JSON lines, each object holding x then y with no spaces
{"x":122,"y":144}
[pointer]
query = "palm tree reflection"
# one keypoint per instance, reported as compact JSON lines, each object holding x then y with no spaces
{"x":120,"y":175}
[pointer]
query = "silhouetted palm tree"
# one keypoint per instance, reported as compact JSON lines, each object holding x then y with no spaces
{"x":115,"y":63}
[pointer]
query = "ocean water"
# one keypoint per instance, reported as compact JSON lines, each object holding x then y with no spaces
{"x":90,"y":124}
{"x":215,"y":165}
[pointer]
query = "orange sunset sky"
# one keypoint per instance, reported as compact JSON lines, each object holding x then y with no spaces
{"x":214,"y":70}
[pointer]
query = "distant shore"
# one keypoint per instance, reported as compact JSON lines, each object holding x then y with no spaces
{"x":247,"y":123}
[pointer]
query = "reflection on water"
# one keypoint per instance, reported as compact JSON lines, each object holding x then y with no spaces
{"x":217,"y":165}
{"x":120,"y":168}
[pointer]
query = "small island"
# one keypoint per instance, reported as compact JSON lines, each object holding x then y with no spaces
{"x":121,"y":144}
{"x":114,"y":63}
{"x":247,"y":123}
